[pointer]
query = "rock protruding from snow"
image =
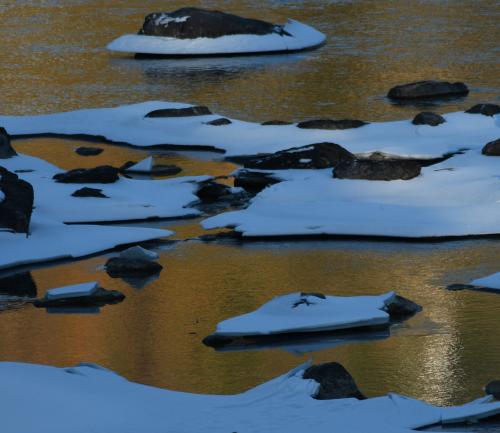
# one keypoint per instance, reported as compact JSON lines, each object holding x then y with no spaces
{"x":89,"y":192}
{"x":334,"y":382}
{"x":210,"y":192}
{"x":254,"y":181}
{"x":17,"y":203}
{"x":137,"y":252}
{"x":493,"y":388}
{"x":400,"y":308}
{"x":192,"y":23}
{"x":6,"y":149}
{"x":374,"y":169}
{"x":428,"y":118}
{"x":492,"y":148}
{"x":331,"y":124}
{"x":89,"y":151}
{"x":221,"y":121}
{"x":318,"y":155}
{"x":100,"y":174}
{"x":484,"y":109}
{"x":428,"y":89}
{"x":195,"y":110}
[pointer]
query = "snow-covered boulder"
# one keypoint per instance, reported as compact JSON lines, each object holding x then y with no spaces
{"x":137,"y":252}
{"x":312,"y":312}
{"x":194,"y":31}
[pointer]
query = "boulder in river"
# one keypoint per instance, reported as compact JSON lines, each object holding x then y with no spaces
{"x":428,"y":89}
{"x":334,"y":382}
{"x":400,"y":308}
{"x":117,"y":267}
{"x":16,"y":202}
{"x":318,"y":155}
{"x":6,"y":149}
{"x":331,"y":124}
{"x":492,"y":148}
{"x":210,"y":191}
{"x":100,"y":174}
{"x":484,"y":109}
{"x":191,"y":23}
{"x":493,"y":388}
{"x":89,"y":151}
{"x":89,"y":192}
{"x":428,"y":118}
{"x":370,"y":169}
{"x":199,"y":110}
{"x":18,"y":285}
{"x":254,"y":181}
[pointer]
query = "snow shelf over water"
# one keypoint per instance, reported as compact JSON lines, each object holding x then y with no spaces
{"x":491,"y":281}
{"x":301,"y":37}
{"x":128,"y":124}
{"x":56,"y":398}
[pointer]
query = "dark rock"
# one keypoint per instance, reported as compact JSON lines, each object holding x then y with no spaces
{"x":118,"y":267}
{"x":369,"y":169}
{"x":401,"y":308}
{"x":316,"y":294}
{"x":492,"y":148}
{"x":98,"y":298}
{"x":17,"y":204}
{"x":318,"y":155}
{"x":100,"y":174}
{"x":331,"y":124}
{"x":6,"y":149}
{"x":225,"y":235}
{"x":428,"y":89}
{"x":19,"y":285}
{"x":276,"y":122}
{"x":201,"y":23}
{"x":220,"y":122}
{"x":457,"y":287}
{"x":89,"y":151}
{"x":217,"y":341}
{"x":485,"y":109}
{"x":212,"y":191}
{"x":428,"y":118}
{"x":89,"y":192}
{"x":493,"y":388}
{"x":335,"y":382}
{"x":199,"y":110}
{"x":254,"y":181}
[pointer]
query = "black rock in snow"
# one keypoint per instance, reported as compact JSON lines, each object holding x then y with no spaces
{"x":199,"y":110}
{"x":100,"y":174}
{"x":17,"y":204}
{"x":6,"y":149}
{"x":428,"y":118}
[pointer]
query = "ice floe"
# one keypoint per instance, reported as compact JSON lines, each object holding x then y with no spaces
{"x":76,"y":290}
{"x":491,"y":281}
{"x":283,"y":404}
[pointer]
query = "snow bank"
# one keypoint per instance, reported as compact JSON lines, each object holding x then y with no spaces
{"x":128,"y":124}
{"x":491,"y":281}
{"x":302,"y":37}
{"x":57,"y":398}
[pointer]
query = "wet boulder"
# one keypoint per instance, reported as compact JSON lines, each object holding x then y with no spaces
{"x":492,"y":148}
{"x":100,"y":174}
{"x":97,"y":298}
{"x":254,"y":181}
{"x":400,"y":308}
{"x":331,"y":124}
{"x":210,"y":191}
{"x":199,"y":110}
{"x":89,"y":192}
{"x":373,"y":169}
{"x":276,"y":123}
{"x":117,"y":267}
{"x":484,"y":109}
{"x":191,"y":23}
{"x":219,"y":122}
{"x":428,"y":118}
{"x":16,"y":202}
{"x":428,"y":89}
{"x":18,"y":285}
{"x":318,"y":155}
{"x":334,"y":382}
{"x":493,"y":388}
{"x":89,"y":151}
{"x":6,"y":149}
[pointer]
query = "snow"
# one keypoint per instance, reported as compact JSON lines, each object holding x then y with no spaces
{"x":302,"y":37}
{"x":144,"y":166}
{"x":128,"y":124}
{"x":288,"y":313}
{"x":137,"y":252}
{"x":457,"y":197}
{"x":491,"y":281}
{"x":56,"y":397}
{"x":74,"y":291}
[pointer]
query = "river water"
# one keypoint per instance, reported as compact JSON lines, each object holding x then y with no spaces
{"x":53,"y":60}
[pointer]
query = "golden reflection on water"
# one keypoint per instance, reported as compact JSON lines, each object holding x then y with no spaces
{"x":444,"y":355}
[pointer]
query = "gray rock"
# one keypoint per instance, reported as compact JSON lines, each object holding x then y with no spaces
{"x":484,"y":109}
{"x":331,"y":124}
{"x":369,"y":169}
{"x":199,"y":110}
{"x":492,"y":148}
{"x":428,"y":89}
{"x":100,"y":174}
{"x":17,"y":204}
{"x":6,"y":149}
{"x":428,"y":118}
{"x":335,"y":382}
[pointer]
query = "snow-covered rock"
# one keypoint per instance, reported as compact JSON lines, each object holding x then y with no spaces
{"x":284,"y":404}
{"x":75,"y":290}
{"x":137,"y":252}
{"x":79,"y":295}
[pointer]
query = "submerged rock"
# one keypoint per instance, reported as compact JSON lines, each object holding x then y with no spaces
{"x":89,"y":192}
{"x":210,"y":192}
{"x":89,"y":151}
{"x":492,"y":148}
{"x":98,"y":297}
{"x":17,"y":203}
{"x":334,"y":380}
{"x":493,"y":388}
{"x":191,"y":23}
{"x":18,"y":285}
{"x":254,"y":181}
{"x":199,"y":110}
{"x":400,"y":308}
{"x":428,"y":89}
{"x":372,"y":169}
{"x":6,"y":149}
{"x":100,"y":174}
{"x":428,"y":118}
{"x":331,"y":124}
{"x":485,"y":109}
{"x":318,"y":155}
{"x":220,"y":122}
{"x":120,"y":266}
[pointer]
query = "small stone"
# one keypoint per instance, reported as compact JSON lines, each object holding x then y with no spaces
{"x":89,"y":151}
{"x":492,"y":148}
{"x":428,"y":118}
{"x":6,"y":149}
{"x":89,"y":192}
{"x":199,"y":110}
{"x":276,"y":123}
{"x":219,"y":122}
{"x":493,"y":388}
{"x":484,"y":109}
{"x":331,"y":124}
